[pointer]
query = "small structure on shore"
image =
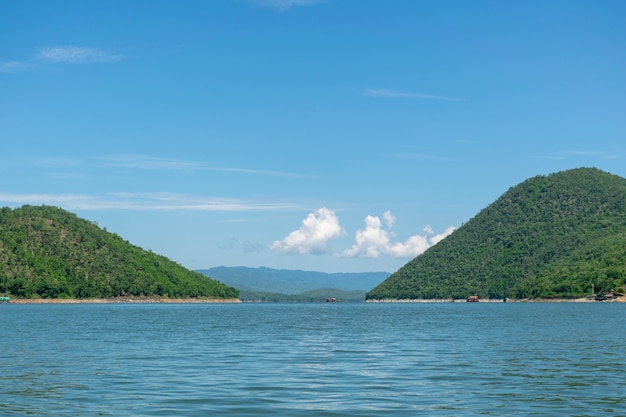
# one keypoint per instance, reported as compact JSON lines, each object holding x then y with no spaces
{"x":607,"y":296}
{"x":472,"y":299}
{"x":331,"y":300}
{"x":5,"y":299}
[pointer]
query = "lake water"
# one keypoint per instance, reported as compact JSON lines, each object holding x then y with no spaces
{"x":443,"y":359}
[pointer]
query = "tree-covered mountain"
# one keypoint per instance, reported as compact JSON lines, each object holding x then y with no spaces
{"x":289,"y":282}
{"x":559,"y":235}
{"x":47,"y":252}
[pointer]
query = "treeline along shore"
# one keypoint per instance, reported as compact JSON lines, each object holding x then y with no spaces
{"x":124,"y":300}
{"x":620,"y":299}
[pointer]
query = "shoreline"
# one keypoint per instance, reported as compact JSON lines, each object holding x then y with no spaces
{"x":166,"y":300}
{"x":621,"y":299}
{"x":125,"y":300}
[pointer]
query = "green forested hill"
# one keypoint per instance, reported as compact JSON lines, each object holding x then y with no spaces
{"x":48,"y":252}
{"x":550,"y":236}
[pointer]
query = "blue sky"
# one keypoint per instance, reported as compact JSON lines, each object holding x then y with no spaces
{"x":337,"y":136}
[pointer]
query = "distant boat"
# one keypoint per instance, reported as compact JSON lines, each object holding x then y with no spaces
{"x":472,"y":299}
{"x":331,"y":300}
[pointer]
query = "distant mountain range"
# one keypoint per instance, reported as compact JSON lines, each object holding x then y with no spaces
{"x":289,"y":282}
{"x":557,"y":236}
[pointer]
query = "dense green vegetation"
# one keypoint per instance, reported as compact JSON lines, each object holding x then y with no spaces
{"x":550,"y":236}
{"x":47,"y":252}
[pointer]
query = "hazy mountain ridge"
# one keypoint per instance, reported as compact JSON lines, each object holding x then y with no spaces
{"x":559,"y":235}
{"x":314,"y":296}
{"x":291,"y":282}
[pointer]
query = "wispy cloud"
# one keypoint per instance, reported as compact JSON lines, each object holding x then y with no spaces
{"x":68,"y":176}
{"x":149,"y":163}
{"x":76,"y":55}
{"x":287,"y":4}
{"x":259,"y":172}
{"x":54,"y":161}
{"x":246,"y":246}
{"x":419,"y":156}
{"x":568,"y":154}
{"x":252,"y":247}
{"x":142,"y":202}
{"x":594,"y":154}
{"x":146,"y":162}
{"x":551,"y":157}
{"x":60,"y":55}
{"x":15,"y":66}
{"x":386,"y":93}
{"x":169,"y":164}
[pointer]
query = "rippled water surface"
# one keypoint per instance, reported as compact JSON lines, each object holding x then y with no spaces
{"x":448,"y":359}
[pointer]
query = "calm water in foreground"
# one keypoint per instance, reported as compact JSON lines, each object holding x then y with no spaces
{"x":313,"y":359}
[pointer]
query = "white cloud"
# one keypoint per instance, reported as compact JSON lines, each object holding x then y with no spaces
{"x":370,"y":242}
{"x":438,"y":238}
{"x":389,"y":218}
{"x":373,"y":241}
{"x":313,"y":236}
{"x":414,"y":245}
{"x":76,"y":55}
{"x":383,"y":92}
